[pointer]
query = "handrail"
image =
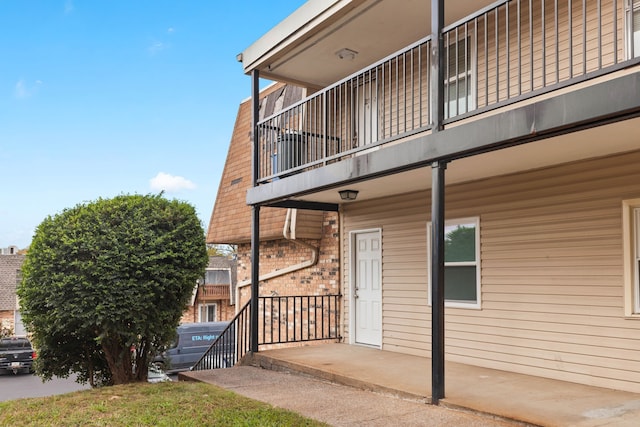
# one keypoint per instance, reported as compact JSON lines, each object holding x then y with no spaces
{"x":282,"y":319}
{"x":230,"y":346}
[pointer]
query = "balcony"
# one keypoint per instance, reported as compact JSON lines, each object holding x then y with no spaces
{"x":213,"y":292}
{"x":502,"y":54}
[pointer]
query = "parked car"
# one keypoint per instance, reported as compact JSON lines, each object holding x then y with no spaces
{"x":192,"y":341}
{"x":16,"y":355}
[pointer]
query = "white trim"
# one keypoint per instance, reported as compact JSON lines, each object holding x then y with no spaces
{"x":459,"y":304}
{"x":469,"y":75}
{"x":629,"y":10}
{"x":631,"y":255}
{"x":352,"y":280}
{"x":207,"y":304}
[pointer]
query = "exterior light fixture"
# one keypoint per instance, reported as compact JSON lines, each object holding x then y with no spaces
{"x":347,"y":54}
{"x":348,"y":194}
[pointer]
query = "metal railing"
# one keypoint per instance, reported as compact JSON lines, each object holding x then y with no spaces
{"x":514,"y":49}
{"x":386,"y":101}
{"x":504,"y":53}
{"x":282,"y":319}
{"x":230,"y":346}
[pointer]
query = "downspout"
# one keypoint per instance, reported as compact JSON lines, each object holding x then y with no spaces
{"x":288,"y":233}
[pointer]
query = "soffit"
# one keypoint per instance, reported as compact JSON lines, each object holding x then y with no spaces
{"x":302,"y":48}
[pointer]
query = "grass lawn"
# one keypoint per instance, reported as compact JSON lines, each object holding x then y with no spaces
{"x":163,"y":404}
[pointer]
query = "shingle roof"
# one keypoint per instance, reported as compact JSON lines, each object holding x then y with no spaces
{"x":231,"y":217}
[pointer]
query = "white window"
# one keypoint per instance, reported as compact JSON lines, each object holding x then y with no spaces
{"x":458,"y":84}
{"x":633,"y":28}
{"x":217,"y":276}
{"x":208,"y":312}
{"x":461,"y":263}
{"x":631,"y":243}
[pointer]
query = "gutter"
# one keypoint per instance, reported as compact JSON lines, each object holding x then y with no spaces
{"x":289,"y":233}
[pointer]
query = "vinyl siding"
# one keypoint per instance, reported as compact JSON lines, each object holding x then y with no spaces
{"x":551,"y":273}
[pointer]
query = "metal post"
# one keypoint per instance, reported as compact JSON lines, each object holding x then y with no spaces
{"x":437,"y":64}
{"x":437,"y":281}
{"x":437,"y":205}
{"x":255,"y":220}
{"x":255,"y":276}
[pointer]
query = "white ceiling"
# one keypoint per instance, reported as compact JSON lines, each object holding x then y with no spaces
{"x":374,"y":29}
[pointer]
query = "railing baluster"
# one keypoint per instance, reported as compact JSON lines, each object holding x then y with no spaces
{"x":486,"y":60}
{"x":557,"y":45}
{"x":584,"y":36}
{"x":508,"y":50}
{"x":295,"y":317}
{"x":519,"y":43}
{"x":544,"y":43}
{"x":615,"y":31}
{"x":419,"y":86}
{"x":447,"y":78}
{"x":599,"y":4}
{"x":497,"y":49}
{"x":457,"y":70}
{"x":279,"y":319}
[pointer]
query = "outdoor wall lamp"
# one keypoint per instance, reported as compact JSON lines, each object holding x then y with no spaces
{"x":348,"y":194}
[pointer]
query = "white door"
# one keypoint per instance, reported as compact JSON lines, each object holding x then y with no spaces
{"x":367,"y":114}
{"x":367,"y":290}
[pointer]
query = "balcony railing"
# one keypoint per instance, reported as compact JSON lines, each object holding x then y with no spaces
{"x":282,"y":319}
{"x":504,"y":53}
{"x":213,"y":292}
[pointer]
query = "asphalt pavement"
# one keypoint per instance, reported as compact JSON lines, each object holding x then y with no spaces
{"x":29,"y":385}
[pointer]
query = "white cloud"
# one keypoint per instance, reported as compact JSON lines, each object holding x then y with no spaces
{"x":170,"y":184}
{"x":24,"y":90}
{"x":171,"y":30}
{"x":156,"y":47}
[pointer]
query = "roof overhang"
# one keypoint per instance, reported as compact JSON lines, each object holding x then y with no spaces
{"x":302,"y":49}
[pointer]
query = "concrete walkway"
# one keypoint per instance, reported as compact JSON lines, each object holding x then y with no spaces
{"x":406,"y":379}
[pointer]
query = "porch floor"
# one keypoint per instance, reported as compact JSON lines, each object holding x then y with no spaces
{"x":524,"y":398}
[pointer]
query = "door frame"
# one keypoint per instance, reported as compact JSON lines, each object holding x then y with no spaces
{"x":352,"y":282}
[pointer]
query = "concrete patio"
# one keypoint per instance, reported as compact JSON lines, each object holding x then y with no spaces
{"x":506,"y":395}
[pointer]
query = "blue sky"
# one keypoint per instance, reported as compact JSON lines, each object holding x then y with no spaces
{"x":100,"y":98}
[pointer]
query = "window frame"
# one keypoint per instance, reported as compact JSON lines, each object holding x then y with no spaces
{"x":477,"y":304}
{"x":217,"y":269}
{"x":631,"y":253}
{"x":631,"y":8}
{"x":205,"y":305}
{"x":454,"y":77}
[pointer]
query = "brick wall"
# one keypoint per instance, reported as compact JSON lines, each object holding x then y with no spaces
{"x":225,"y":311}
{"x":320,"y":279}
{"x":9,"y":276}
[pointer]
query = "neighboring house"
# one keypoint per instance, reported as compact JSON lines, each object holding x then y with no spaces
{"x":11,"y":250}
{"x":299,"y":252}
{"x":10,"y":276}
{"x":213,"y":297}
{"x":494,"y":157}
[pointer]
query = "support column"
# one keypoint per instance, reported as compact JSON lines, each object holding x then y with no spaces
{"x":255,"y":276}
{"x":437,"y":281}
{"x":436,"y":98}
{"x":255,"y":211}
{"x":436,"y":103}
